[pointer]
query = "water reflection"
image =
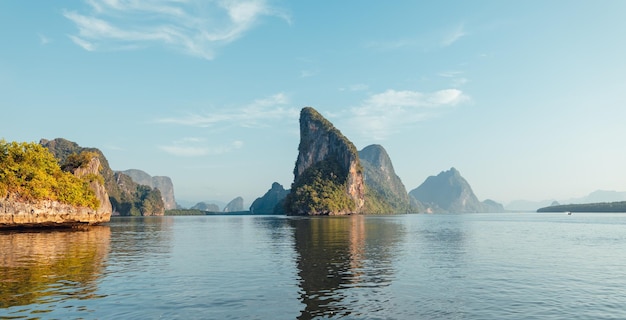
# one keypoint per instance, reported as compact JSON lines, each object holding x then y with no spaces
{"x":342,"y":262}
{"x":137,"y":236}
{"x":50,"y":266}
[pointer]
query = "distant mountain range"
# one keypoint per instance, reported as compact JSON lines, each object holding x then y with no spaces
{"x":450,"y":192}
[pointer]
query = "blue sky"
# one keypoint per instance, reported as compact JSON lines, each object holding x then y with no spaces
{"x":527,"y":99}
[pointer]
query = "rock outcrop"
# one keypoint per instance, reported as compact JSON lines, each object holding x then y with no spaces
{"x":162,"y":183}
{"x":127,"y":197}
{"x":450,"y":192}
{"x":328,"y":177}
{"x":272,"y":202}
{"x":234,"y":205}
{"x":203,"y":206}
{"x":381,"y":180}
{"x":48,"y":213}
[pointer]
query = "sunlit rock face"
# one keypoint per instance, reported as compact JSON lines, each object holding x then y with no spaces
{"x":127,"y":197}
{"x":327,"y":161}
{"x":47,"y":213}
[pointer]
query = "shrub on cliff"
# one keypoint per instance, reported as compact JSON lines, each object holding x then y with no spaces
{"x":29,"y":171}
{"x":320,"y":190}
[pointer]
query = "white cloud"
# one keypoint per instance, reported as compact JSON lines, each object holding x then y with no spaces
{"x":383,"y":114}
{"x":185,"y":151}
{"x":308,"y":73}
{"x":453,"y":36}
{"x":195,"y":147}
{"x":355,"y":87}
{"x":43,"y":40}
{"x":193,"y":26}
{"x":456,"y":78}
{"x":258,"y":113}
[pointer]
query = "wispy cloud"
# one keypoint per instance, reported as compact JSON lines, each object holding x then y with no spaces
{"x":390,"y":45}
{"x":194,"y":27}
{"x":308,"y":73}
{"x":258,"y":113}
{"x":382,"y":114}
{"x":423,"y":41}
{"x":453,"y":35}
{"x":43,"y":39}
{"x":195,"y":147}
{"x":355,"y":87}
{"x":456,"y":78}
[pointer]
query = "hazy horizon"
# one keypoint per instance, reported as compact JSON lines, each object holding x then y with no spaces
{"x":525,"y":99}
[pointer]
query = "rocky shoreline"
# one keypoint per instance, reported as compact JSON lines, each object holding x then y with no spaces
{"x":47,"y":213}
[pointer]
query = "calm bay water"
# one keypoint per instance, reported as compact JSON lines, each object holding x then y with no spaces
{"x":470,"y":266}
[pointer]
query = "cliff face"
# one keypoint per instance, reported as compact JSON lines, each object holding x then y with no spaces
{"x":234,"y":205}
{"x":127,"y":197}
{"x":328,"y":177}
{"x":450,"y":192}
{"x":48,"y":213}
{"x":271,"y":202}
{"x":93,"y":168}
{"x":162,"y":183}
{"x":381,"y":179}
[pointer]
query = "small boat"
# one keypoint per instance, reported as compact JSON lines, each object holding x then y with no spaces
{"x":569,"y":213}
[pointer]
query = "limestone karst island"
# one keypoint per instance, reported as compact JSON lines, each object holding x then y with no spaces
{"x":59,"y":183}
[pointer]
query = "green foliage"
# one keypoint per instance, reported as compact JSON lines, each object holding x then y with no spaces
{"x":320,"y":190}
{"x":78,"y":160}
{"x":125,"y":195}
{"x":29,"y":171}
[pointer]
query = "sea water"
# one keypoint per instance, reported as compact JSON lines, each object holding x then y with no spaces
{"x":444,"y":266}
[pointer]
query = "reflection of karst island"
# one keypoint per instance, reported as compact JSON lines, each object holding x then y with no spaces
{"x":37,"y":265}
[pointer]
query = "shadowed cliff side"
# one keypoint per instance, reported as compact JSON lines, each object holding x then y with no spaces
{"x":162,"y":183}
{"x":272,"y":202}
{"x":386,"y":192}
{"x":328,"y":177}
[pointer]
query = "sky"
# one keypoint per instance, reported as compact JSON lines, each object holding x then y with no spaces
{"x":527,"y":99}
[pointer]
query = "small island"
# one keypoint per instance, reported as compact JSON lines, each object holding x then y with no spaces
{"x":38,"y":191}
{"x":619,"y":206}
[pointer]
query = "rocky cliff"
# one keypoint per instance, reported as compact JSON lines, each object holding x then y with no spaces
{"x":328,"y":177}
{"x":47,"y":213}
{"x":271,"y":202}
{"x":162,"y":183}
{"x":450,"y":192}
{"x":127,"y":197}
{"x":234,"y":205}
{"x":381,"y":179}
{"x":203,"y":206}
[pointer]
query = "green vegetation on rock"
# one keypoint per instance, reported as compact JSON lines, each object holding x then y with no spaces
{"x":127,"y":197}
{"x":30,"y":172}
{"x":320,"y":190}
{"x":385,"y":191}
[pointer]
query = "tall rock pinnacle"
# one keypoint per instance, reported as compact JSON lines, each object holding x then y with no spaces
{"x":328,"y":177}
